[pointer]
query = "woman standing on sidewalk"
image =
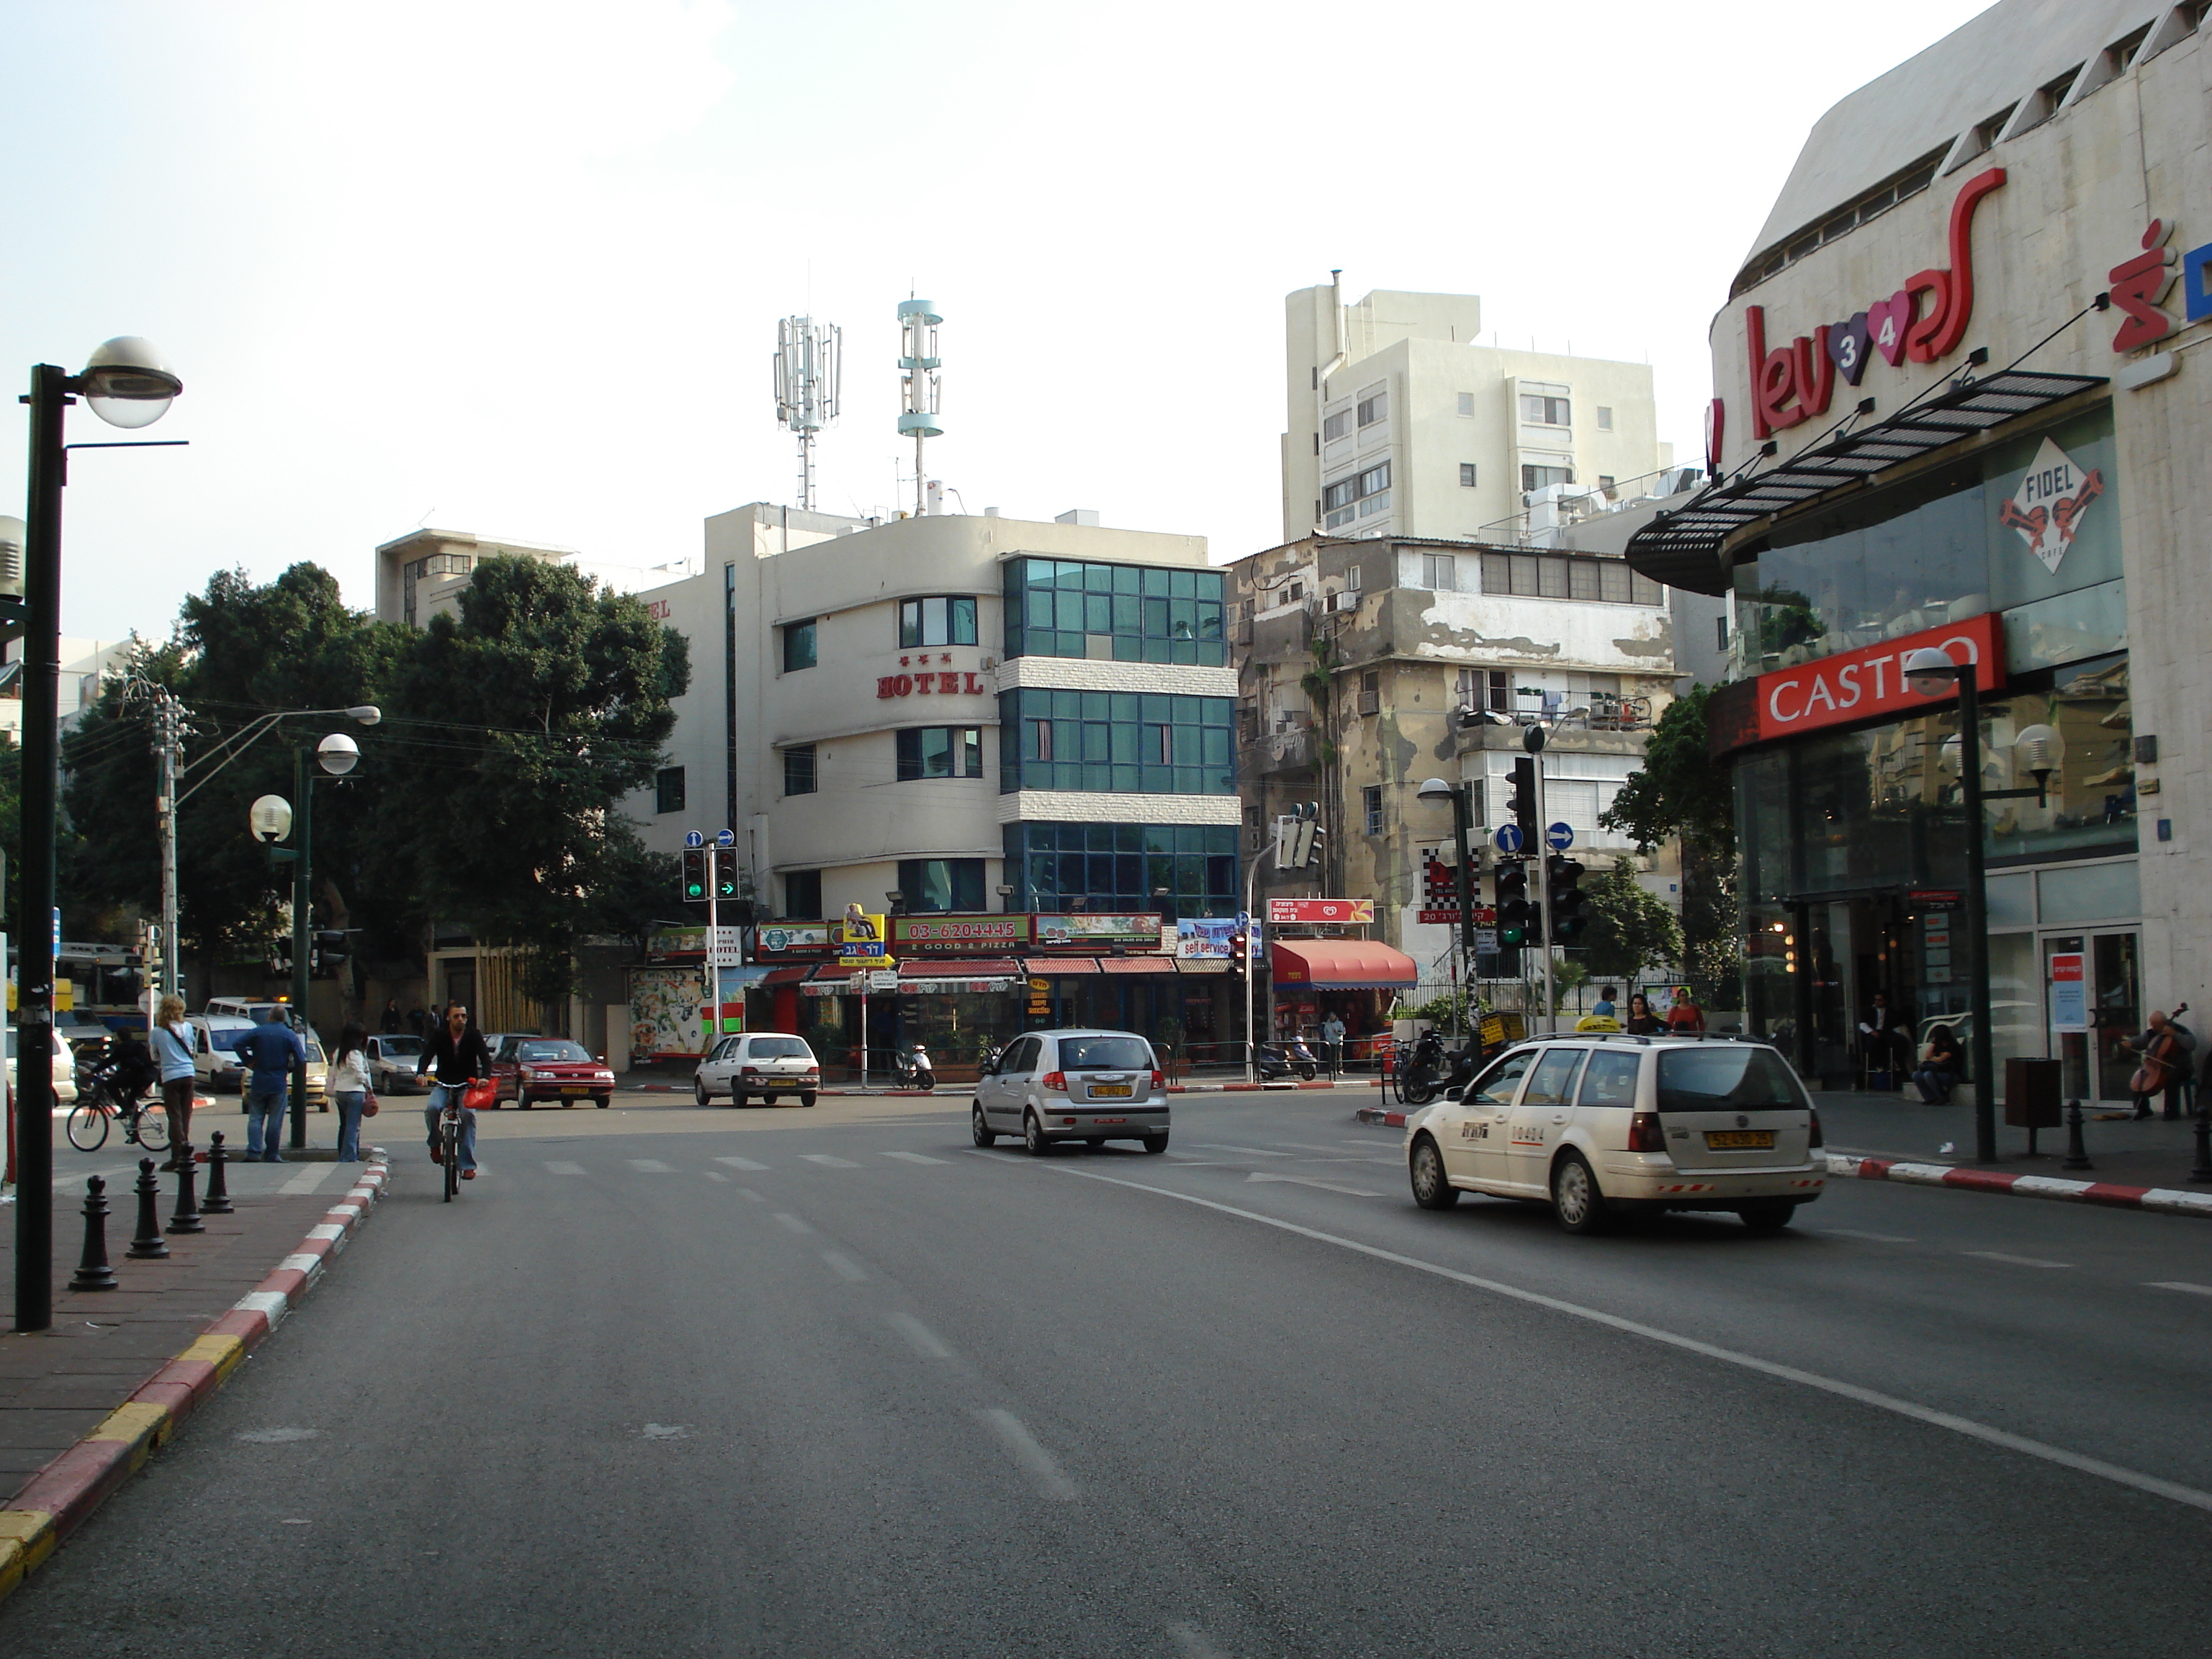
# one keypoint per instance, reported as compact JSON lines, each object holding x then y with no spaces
{"x":172,"y":1052}
{"x":349,"y":1083}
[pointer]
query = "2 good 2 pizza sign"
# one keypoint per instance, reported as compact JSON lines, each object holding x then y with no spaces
{"x":1925,"y":320}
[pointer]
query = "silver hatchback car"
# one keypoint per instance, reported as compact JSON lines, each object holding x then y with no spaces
{"x":1092,"y":1086}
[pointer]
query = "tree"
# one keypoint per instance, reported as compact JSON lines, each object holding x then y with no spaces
{"x":533,"y":711}
{"x":1682,"y":792}
{"x":1630,"y":927}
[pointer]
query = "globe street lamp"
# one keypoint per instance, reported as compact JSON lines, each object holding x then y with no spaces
{"x":126,"y":383}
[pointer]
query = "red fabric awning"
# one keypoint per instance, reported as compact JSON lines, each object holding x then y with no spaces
{"x":1339,"y":964}
{"x":1043,"y":965}
{"x":957,"y":967}
{"x":1136,"y":964}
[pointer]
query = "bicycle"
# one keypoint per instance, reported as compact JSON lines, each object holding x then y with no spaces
{"x":145,"y":1122}
{"x":449,"y":1129}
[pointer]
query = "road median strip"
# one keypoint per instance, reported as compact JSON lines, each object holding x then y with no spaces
{"x":64,"y":1494}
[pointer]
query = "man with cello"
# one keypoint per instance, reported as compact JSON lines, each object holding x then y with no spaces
{"x":2165,"y":1046}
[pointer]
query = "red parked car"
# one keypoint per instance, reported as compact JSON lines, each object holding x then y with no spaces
{"x":529,"y":1069}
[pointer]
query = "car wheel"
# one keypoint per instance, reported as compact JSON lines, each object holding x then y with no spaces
{"x":1033,"y":1140}
{"x":979,"y":1131}
{"x":603,"y":1100}
{"x":1158,"y":1143}
{"x":699,"y":1092}
{"x":807,"y":1099}
{"x":1768,"y":1218}
{"x":737,"y":1097}
{"x":1096,"y":1143}
{"x":1575,"y":1199}
{"x":1432,"y":1187}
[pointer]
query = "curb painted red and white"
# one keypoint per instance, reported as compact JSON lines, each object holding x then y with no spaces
{"x":61,"y":1495}
{"x":2167,"y":1201}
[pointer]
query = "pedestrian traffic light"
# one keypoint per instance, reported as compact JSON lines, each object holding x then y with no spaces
{"x":1568,"y":899}
{"x":1520,"y":803}
{"x":694,"y":875}
{"x":725,"y":873}
{"x":1514,"y":912}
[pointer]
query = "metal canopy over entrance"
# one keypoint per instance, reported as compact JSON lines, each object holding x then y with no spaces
{"x":1682,"y":548}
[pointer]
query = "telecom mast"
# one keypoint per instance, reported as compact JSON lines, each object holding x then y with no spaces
{"x":918,"y":322}
{"x":806,"y":363}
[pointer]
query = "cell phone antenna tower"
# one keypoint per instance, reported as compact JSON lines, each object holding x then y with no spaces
{"x":918,"y":361}
{"x":807,"y":356}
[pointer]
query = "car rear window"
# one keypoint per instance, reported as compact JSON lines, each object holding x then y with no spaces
{"x":546,"y":1052}
{"x":1720,"y":1078}
{"x":788,"y":1048}
{"x":1104,"y":1053}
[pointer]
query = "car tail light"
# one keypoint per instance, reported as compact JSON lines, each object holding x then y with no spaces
{"x":1056,"y":1082}
{"x":814,"y":1070}
{"x":1159,"y":1079}
{"x":1645,"y":1134}
{"x":1813,"y":1123}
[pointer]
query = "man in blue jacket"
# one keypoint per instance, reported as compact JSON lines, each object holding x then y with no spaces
{"x":269,"y":1051}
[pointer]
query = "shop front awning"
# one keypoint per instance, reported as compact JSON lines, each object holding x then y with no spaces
{"x":1045,"y":965}
{"x":776,"y":978}
{"x":912,"y":972}
{"x":1136,"y":964}
{"x":1682,"y":549}
{"x":1339,"y":964}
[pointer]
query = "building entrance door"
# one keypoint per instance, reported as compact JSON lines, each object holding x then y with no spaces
{"x":2092,"y":999}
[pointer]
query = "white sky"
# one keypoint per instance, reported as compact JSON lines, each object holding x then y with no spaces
{"x":516,"y":267}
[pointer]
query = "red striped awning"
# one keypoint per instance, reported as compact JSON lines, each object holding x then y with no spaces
{"x":1043,"y":965}
{"x":1136,"y":964}
{"x":1339,"y":964}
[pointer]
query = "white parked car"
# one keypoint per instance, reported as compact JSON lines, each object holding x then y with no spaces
{"x":215,"y":1063}
{"x":1602,"y":1125}
{"x":1093,"y":1086}
{"x":64,"y":1070}
{"x":763,"y":1063}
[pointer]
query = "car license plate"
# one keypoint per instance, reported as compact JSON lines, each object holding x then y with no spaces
{"x":1110,"y":1090}
{"x":575,"y":1092}
{"x":1736,"y":1141}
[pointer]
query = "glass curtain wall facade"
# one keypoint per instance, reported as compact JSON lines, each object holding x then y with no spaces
{"x":1115,"y":612}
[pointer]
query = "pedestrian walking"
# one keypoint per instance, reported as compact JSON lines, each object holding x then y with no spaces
{"x":1641,"y":1020}
{"x":1685,"y":1019}
{"x":389,"y":1023}
{"x":349,"y":1083}
{"x":269,"y":1050}
{"x":172,"y":1052}
{"x":1940,"y":1066}
{"x":1331,"y":1038}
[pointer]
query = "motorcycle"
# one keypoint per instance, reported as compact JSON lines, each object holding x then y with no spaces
{"x":1429,"y":1071}
{"x":914,"y":1070}
{"x":1273,"y":1060}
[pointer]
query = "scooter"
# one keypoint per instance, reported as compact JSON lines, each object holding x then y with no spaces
{"x":1272,"y":1061}
{"x":913,"y":1069}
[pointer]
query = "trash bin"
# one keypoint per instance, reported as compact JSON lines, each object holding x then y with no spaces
{"x":2031,"y":1096}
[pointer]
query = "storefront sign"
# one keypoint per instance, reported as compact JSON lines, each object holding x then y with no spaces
{"x":1869,"y":683}
{"x":1793,"y":383}
{"x":1324,"y":912}
{"x":2069,"y":992}
{"x":860,"y":941}
{"x":2047,"y":507}
{"x":1935,"y":898}
{"x":1211,"y":938}
{"x":793,"y":938}
{"x":1084,"y":929}
{"x":947,"y":682}
{"x":958,"y":935}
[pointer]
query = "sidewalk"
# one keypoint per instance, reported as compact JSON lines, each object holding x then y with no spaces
{"x":2153,"y":1154}
{"x":125,"y":1366}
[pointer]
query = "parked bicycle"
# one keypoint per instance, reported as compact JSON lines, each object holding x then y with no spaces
{"x":115,"y":1088}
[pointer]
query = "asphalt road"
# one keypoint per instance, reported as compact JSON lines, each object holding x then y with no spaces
{"x":789,"y":1382}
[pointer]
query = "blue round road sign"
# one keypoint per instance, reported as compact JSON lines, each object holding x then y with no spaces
{"x":1559,"y":837}
{"x":1508,"y":838}
{"x":693,"y":838}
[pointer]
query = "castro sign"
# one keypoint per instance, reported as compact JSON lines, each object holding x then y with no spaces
{"x":1869,"y":684}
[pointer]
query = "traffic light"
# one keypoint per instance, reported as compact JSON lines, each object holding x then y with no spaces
{"x":1520,"y":803}
{"x":694,"y":875}
{"x":1237,"y":946}
{"x":725,"y":873}
{"x":1515,"y":912}
{"x":1568,"y":899}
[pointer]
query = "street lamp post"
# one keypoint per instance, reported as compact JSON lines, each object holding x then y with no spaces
{"x":337,"y":755}
{"x":127,"y":384}
{"x":1929,"y":671}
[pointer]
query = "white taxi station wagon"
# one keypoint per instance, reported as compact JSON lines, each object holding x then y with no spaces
{"x":1600,"y":1126}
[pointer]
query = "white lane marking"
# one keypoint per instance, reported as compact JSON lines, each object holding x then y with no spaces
{"x":716,"y":1174}
{"x":1308,"y":1181}
{"x":828,"y":1162}
{"x":1197,"y":1163}
{"x":1964,"y":1426}
{"x":651,"y":1166}
{"x":1035,"y":1462}
{"x":747,"y":1192}
{"x":1191,"y":1643}
{"x":2179,"y":1284}
{"x":564,"y":1169}
{"x":914,"y":1157}
{"x":741,"y":1163}
{"x":309,"y":1178}
{"x":925,"y":1342}
{"x":2015,"y":1260}
{"x":844,"y":1266}
{"x":1872,"y":1238}
{"x":1255,"y":1152}
{"x":792,"y":1222}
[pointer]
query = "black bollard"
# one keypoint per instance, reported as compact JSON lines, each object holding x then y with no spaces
{"x":92,"y":1272}
{"x":2204,"y":1132}
{"x":148,"y":1246}
{"x":2077,"y":1156}
{"x":217,"y":1201}
{"x":185,"y":1218}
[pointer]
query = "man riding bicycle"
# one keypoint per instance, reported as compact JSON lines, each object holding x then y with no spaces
{"x":459,"y":1053}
